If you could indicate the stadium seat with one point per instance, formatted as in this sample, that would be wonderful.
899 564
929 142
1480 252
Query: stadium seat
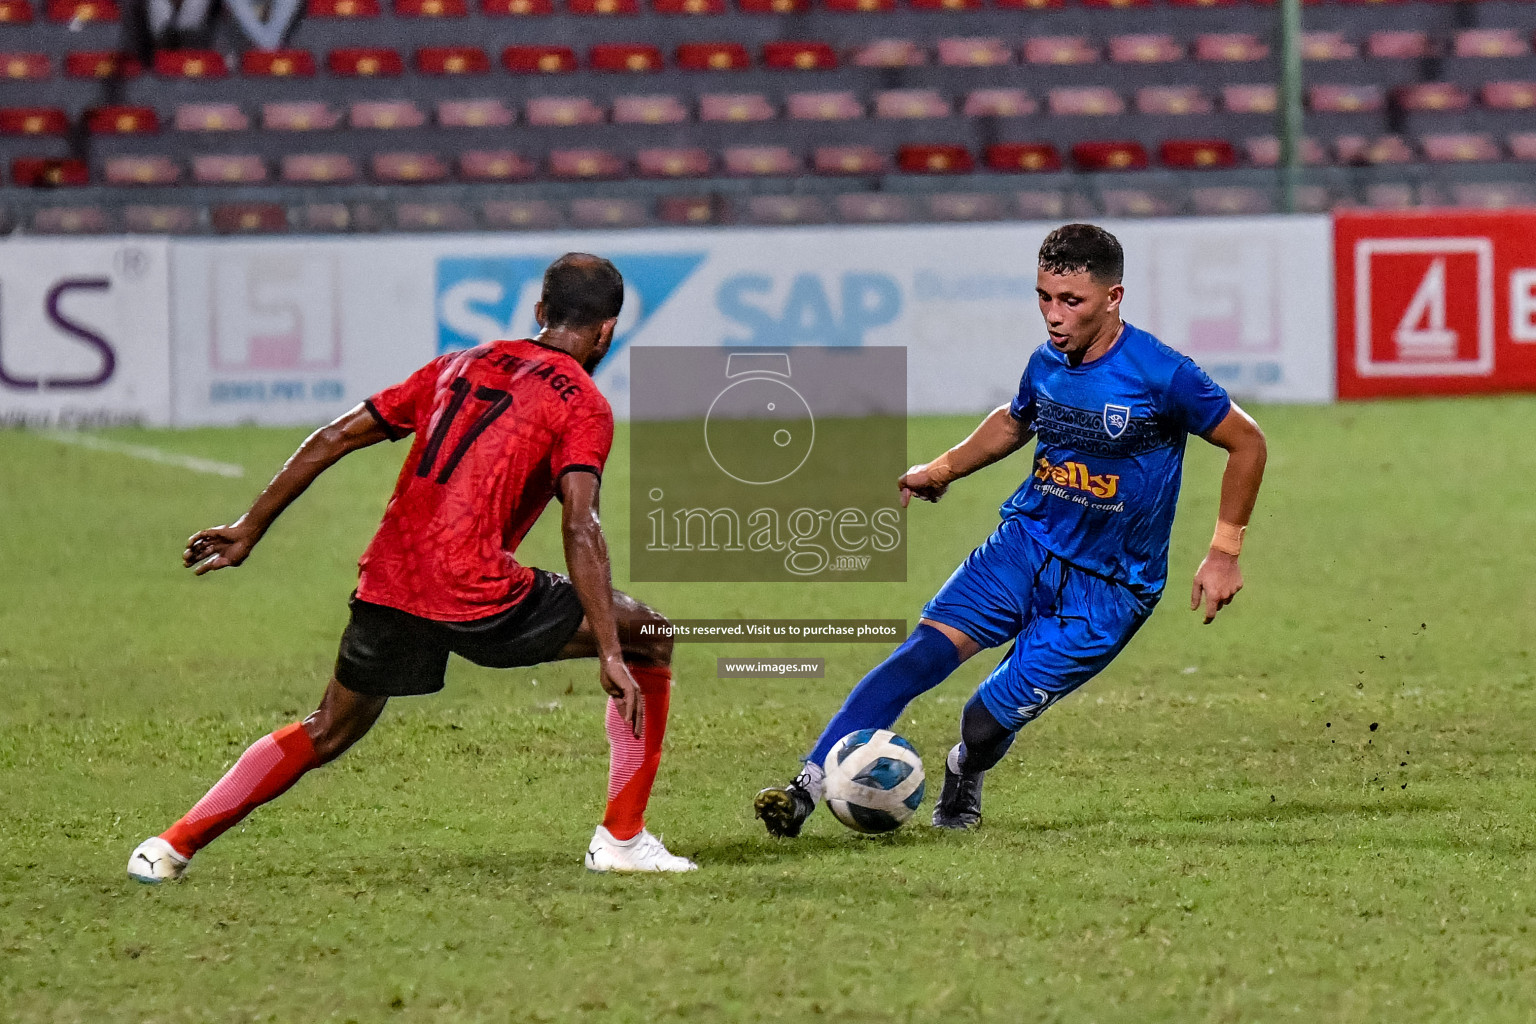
431 8
1087 100
1398 45
931 158
1460 147
318 168
228 169
433 216
1059 50
889 53
999 103
1230 47
140 170
386 114
48 172
71 220
1109 156
1040 204
539 60
1197 154
859 6
757 160
365 62
1144 49
122 120
452 60
407 168
98 65
1172 99
248 218
1358 150
625 58
190 64
911 104
1490 42
686 210
24 66
962 206
603 7
773 6
822 106
33 121
673 163
1509 95
149 220
277 64
1022 156
873 208
609 213
1203 3
974 51
299 116
82 11
1389 196
343 8
585 164
517 8
521 214
495 165
1027 5
1345 99
1264 151
1136 202
1250 99
480 113
662 109
1327 46
15 12
946 5
210 117
786 210
713 57
1522 145
688 6
750 106
1432 96
1493 195
1230 200
787 56
562 111
848 160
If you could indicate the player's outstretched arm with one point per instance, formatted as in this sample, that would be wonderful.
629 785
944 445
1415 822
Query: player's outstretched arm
586 556
998 436
1219 578
225 546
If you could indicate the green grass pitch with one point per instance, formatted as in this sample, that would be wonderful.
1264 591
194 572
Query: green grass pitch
1317 809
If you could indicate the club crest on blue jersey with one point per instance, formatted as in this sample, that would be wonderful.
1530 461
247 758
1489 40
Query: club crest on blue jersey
1116 419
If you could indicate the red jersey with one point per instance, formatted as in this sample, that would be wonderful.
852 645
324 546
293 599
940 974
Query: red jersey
496 426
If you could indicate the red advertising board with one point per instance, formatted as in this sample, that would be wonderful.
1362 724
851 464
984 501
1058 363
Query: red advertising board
1436 302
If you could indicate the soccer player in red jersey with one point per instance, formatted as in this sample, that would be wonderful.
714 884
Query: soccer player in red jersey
499 430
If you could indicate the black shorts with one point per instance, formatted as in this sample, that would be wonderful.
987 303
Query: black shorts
386 652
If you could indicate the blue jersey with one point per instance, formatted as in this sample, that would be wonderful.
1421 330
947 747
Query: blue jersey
1110 455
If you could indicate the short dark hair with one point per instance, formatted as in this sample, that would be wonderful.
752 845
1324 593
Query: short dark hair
581 290
1074 248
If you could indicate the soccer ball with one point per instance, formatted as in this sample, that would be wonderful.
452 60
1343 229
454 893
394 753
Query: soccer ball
874 780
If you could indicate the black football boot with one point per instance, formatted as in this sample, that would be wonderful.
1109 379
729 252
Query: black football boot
784 809
959 805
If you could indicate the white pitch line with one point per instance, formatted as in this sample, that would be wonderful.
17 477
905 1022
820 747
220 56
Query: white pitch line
148 454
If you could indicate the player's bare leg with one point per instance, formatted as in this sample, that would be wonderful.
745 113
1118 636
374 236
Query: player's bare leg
267 769
621 842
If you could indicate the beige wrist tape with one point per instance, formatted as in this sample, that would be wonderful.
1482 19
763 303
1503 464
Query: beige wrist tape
940 471
1229 538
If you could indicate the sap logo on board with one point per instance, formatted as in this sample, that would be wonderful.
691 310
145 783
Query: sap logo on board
813 310
483 298
1424 307
275 312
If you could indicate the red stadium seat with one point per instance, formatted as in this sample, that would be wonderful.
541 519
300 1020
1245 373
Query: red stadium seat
539 60
190 64
1327 46
688 6
248 218
673 163
343 8
947 5
83 10
158 219
859 6
365 62
608 213
1345 99
277 64
999 103
848 160
141 170
434 216
1230 47
1085 100
1027 5
15 12
663 109
495 165
407 168
713 57
1144 49
752 106
822 106
99 64
786 210
1023 156
888 53
911 104
521 214
1461 147
386 114
318 168
1230 201
760 160
228 169
625 58
585 164
1250 99
873 208
299 116
1425 96
210 117
790 56
1358 150
1118 4
121 120
48 172
482 113
1059 50
686 210
603 7
963 206
33 121
1197 154
1491 42
562 111
923 158
1509 95
1398 45
1109 156
975 51
70 220
1522 145
452 60
431 8
24 66
773 6
517 8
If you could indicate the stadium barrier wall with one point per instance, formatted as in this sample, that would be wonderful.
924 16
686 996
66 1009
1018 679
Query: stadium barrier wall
1436 302
291 331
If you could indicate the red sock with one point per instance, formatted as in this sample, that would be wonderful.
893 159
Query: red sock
632 762
264 772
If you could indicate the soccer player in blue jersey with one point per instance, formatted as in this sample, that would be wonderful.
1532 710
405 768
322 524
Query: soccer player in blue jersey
1081 555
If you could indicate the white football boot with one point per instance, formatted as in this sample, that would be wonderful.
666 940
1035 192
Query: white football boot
643 852
155 861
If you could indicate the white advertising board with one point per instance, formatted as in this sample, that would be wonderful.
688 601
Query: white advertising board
84 333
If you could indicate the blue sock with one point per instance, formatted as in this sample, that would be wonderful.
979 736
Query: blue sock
924 661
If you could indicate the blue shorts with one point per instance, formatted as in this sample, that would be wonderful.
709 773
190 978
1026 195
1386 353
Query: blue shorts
1066 624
